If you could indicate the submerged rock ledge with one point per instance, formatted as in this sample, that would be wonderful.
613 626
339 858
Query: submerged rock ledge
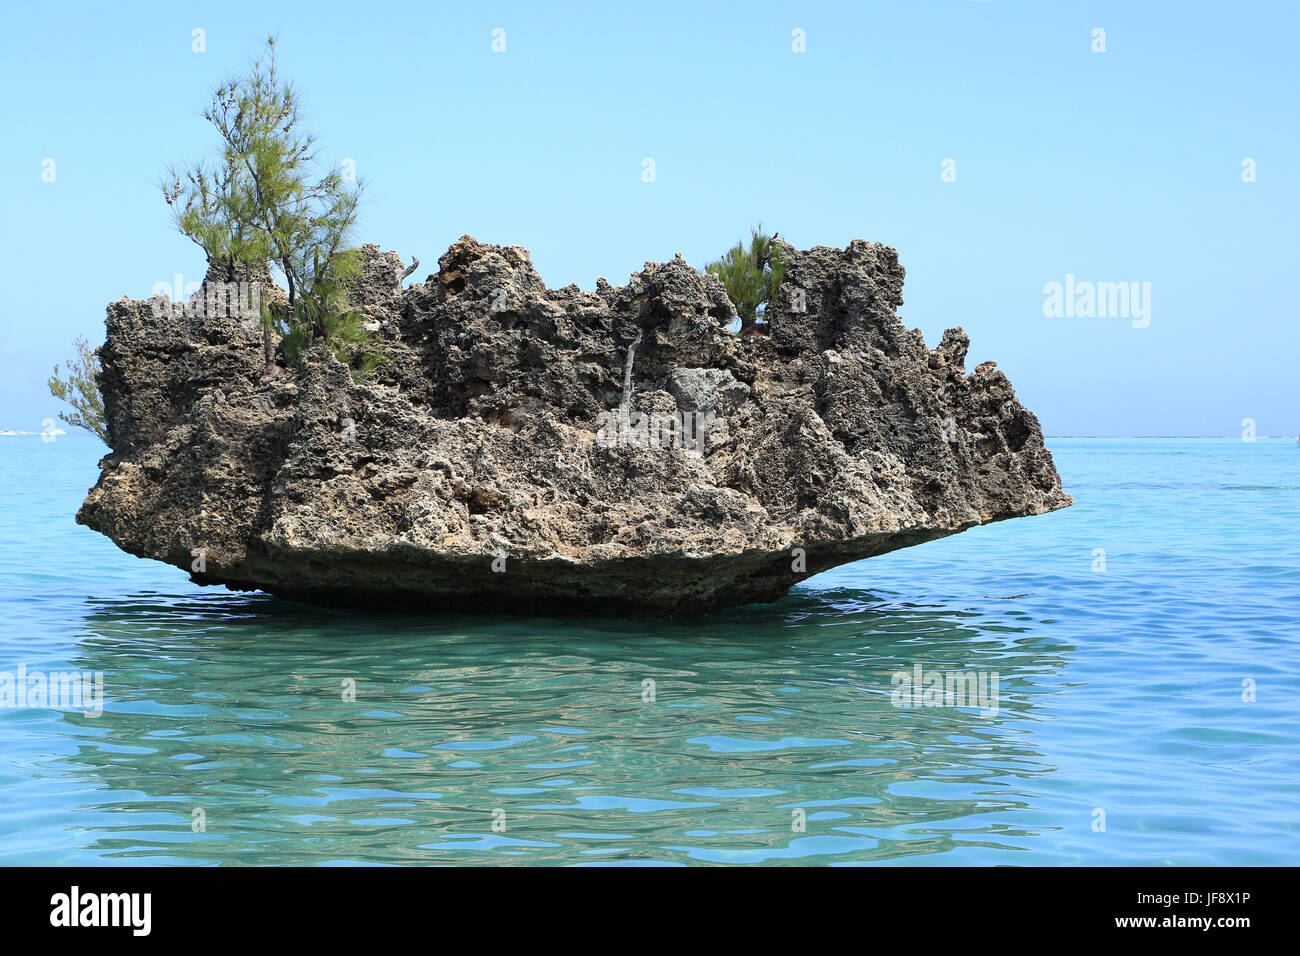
482 467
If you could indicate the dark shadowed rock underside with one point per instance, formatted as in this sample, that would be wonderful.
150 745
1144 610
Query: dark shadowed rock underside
481 467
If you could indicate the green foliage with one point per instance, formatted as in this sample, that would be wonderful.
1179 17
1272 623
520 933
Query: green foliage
751 275
80 390
265 198
326 314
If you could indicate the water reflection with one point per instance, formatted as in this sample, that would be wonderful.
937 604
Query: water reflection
477 739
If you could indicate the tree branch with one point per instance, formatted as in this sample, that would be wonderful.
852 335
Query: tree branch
402 278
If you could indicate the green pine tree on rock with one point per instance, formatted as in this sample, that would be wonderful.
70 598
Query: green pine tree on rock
265 199
752 276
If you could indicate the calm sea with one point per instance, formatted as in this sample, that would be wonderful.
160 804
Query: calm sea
1137 653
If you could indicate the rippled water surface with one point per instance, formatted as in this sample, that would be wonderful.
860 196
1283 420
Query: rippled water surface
770 734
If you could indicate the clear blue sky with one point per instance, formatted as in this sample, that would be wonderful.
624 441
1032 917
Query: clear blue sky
1117 166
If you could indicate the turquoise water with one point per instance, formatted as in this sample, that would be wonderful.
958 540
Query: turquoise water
769 734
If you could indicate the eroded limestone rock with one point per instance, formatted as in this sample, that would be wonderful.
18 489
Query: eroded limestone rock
466 473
